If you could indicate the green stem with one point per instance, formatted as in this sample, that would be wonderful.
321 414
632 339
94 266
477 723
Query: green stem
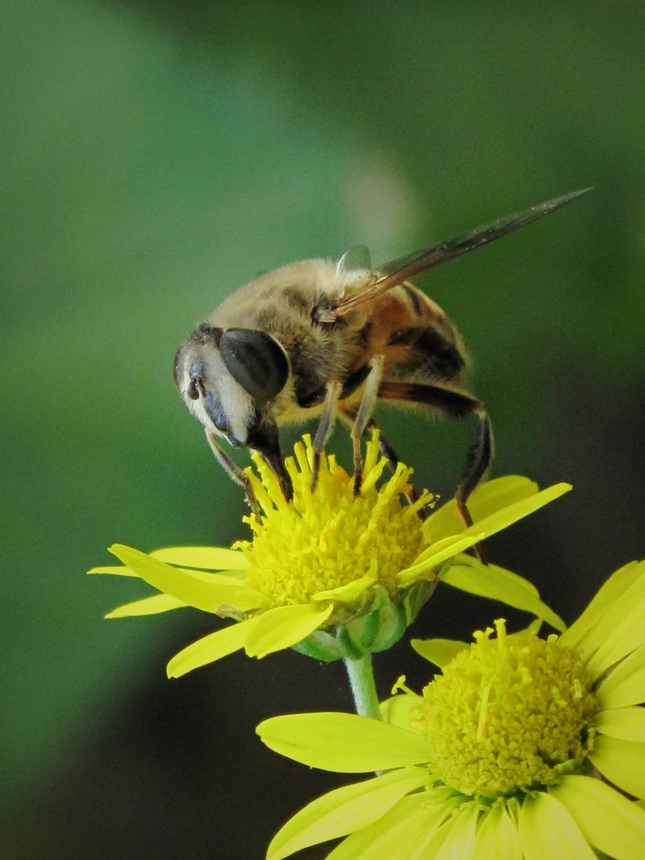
361 680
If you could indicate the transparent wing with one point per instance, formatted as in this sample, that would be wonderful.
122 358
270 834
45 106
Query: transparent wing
402 269
356 257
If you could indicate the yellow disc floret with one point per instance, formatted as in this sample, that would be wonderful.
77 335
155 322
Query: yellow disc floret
510 714
327 538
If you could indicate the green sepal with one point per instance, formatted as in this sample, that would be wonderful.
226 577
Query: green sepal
351 648
320 645
371 632
376 631
394 623
416 597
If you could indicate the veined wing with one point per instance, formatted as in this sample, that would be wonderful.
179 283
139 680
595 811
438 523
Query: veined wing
402 269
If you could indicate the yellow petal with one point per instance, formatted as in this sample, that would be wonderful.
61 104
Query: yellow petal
345 743
548 831
147 606
346 593
515 578
621 762
344 810
499 520
621 629
398 835
242 599
433 842
210 648
606 818
616 585
625 723
284 626
496 583
497 837
195 588
232 578
488 498
459 842
206 557
397 709
439 652
114 569
435 556
625 684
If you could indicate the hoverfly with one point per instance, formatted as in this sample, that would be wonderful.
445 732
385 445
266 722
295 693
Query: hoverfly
330 339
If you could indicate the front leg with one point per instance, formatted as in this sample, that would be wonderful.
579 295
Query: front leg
232 469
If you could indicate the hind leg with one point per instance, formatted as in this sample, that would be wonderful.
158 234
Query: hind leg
454 404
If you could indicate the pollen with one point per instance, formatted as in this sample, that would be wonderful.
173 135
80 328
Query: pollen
327 538
509 715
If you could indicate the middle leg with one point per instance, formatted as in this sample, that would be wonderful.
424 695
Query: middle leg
348 415
364 416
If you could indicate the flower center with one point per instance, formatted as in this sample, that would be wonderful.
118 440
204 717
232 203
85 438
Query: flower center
510 714
327 538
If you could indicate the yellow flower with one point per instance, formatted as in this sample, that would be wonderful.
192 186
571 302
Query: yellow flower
333 575
523 749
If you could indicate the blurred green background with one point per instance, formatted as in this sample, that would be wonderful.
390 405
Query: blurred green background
154 156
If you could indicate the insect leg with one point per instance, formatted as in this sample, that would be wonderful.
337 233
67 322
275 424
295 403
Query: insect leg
454 404
478 461
363 416
231 467
332 393
386 449
265 441
349 416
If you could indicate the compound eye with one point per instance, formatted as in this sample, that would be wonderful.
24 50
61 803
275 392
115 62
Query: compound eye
255 360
